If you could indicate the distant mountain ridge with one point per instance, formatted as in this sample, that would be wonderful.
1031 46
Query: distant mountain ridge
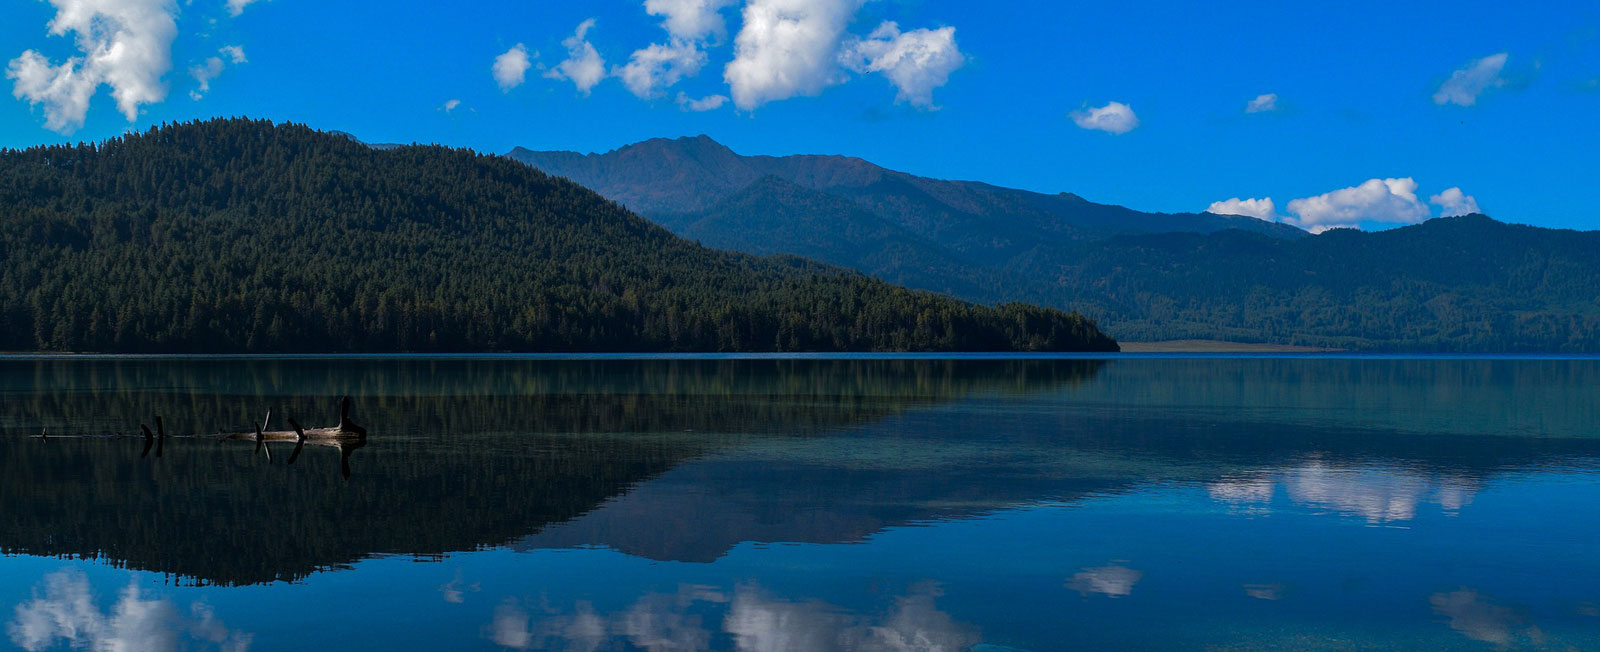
1457 284
663 177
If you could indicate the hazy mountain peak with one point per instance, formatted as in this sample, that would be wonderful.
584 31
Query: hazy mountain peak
672 176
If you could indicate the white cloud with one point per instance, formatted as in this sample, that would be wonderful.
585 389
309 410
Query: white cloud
511 67
1453 202
126 44
584 66
236 7
1392 201
691 20
1466 84
1113 118
691 24
916 62
1112 581
450 105
708 103
659 66
203 73
63 612
1262 209
787 48
1263 104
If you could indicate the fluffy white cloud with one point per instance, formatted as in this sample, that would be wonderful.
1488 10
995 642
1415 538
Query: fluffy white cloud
787 48
1258 208
584 66
450 105
1466 84
1377 200
1113 118
690 20
1263 104
236 7
708 103
659 66
1453 202
511 67
63 612
126 44
203 73
1392 201
916 62
691 24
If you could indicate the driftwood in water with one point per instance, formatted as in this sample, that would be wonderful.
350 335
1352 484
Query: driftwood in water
346 436
347 432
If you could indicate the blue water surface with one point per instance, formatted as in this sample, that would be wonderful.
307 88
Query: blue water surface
984 503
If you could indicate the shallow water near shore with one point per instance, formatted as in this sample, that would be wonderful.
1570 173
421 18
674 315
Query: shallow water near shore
810 503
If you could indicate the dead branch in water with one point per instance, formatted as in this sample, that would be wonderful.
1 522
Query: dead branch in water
346 436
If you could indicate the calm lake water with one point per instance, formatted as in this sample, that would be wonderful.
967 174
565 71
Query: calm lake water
814 504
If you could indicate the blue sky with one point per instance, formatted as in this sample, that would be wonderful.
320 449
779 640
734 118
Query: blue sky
988 91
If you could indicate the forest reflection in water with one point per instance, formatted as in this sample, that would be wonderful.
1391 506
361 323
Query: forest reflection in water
1124 485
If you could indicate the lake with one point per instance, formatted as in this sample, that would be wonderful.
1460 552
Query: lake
813 503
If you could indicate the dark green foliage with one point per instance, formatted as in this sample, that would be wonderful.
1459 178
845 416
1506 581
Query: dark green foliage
244 236
1454 284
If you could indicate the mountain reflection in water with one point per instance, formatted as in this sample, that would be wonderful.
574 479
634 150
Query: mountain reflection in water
697 504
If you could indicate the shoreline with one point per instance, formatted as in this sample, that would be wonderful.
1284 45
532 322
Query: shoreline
1136 354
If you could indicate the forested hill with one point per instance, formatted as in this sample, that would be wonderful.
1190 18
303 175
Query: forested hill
245 236
1453 284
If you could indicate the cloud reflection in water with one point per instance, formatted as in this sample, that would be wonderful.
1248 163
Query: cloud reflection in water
754 620
1379 495
1480 619
63 610
1113 581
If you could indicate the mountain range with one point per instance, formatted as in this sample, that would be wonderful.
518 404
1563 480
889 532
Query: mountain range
242 236
1465 283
